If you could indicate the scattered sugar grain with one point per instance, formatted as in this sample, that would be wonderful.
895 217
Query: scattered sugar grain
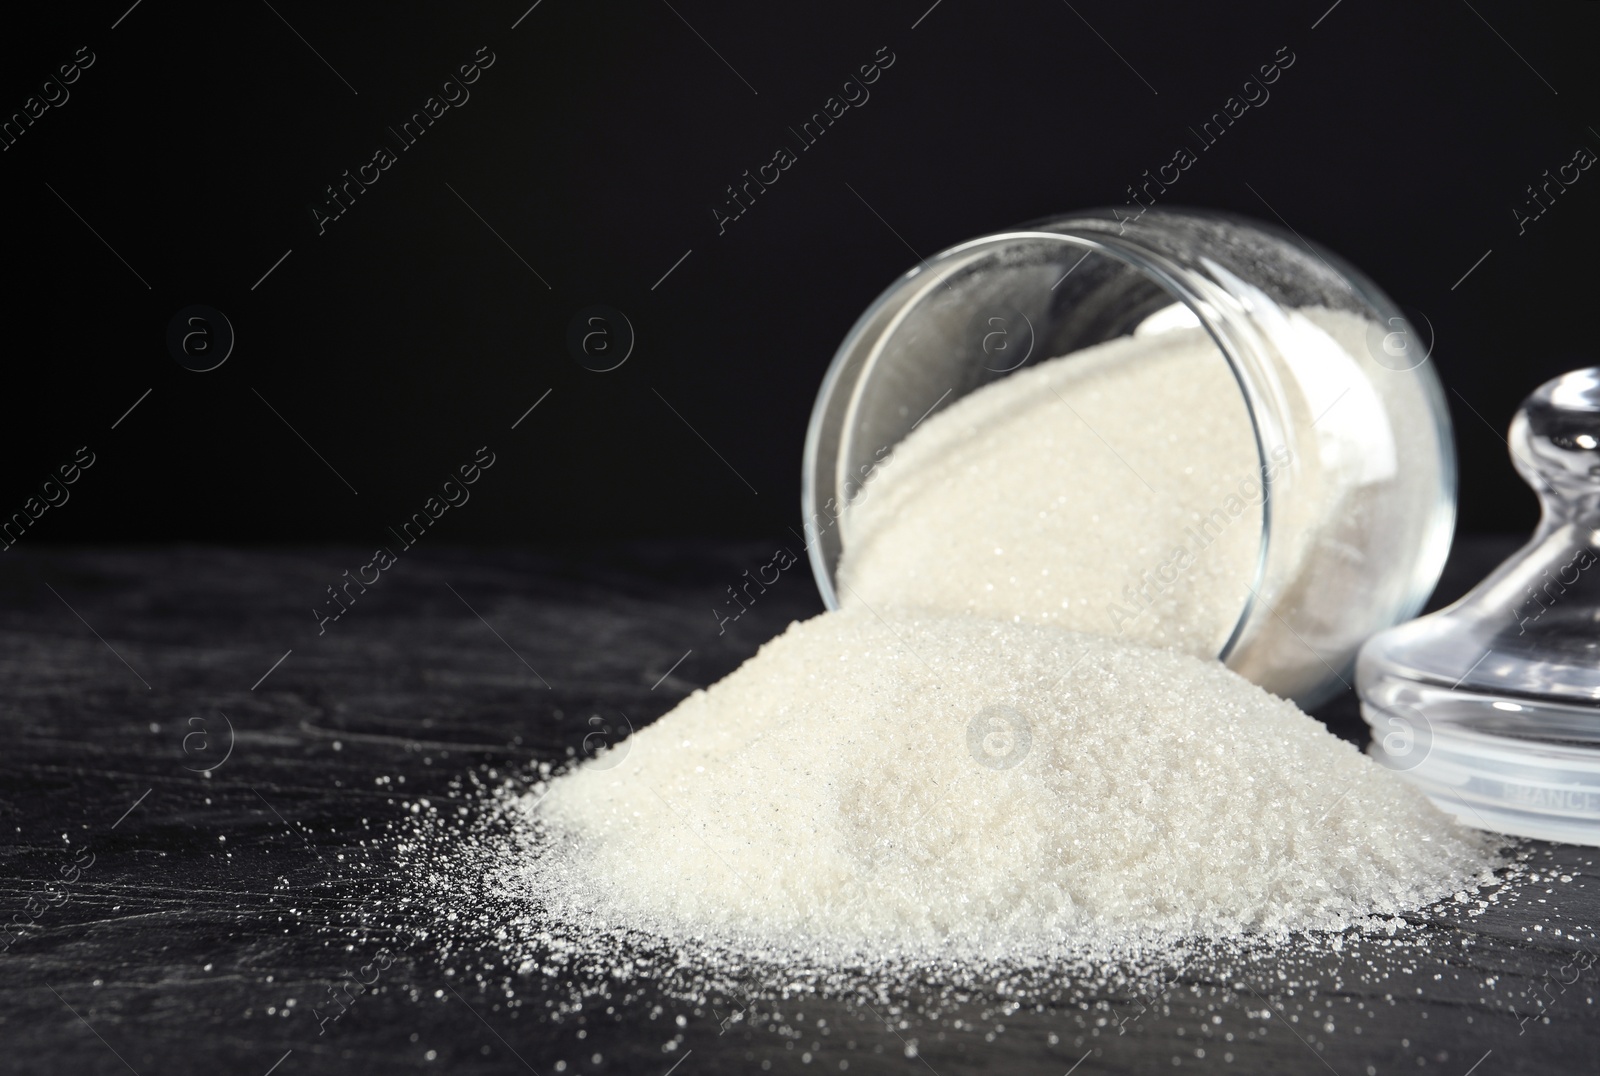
466 894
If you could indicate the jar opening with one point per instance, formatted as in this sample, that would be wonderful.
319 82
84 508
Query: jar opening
1346 488
1025 305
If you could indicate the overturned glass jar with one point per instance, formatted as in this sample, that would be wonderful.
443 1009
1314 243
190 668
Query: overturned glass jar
1337 522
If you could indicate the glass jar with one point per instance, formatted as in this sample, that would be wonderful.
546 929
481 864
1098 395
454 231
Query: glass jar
1351 438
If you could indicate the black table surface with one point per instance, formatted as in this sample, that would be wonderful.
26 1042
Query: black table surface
200 786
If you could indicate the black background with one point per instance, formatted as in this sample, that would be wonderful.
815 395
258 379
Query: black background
409 334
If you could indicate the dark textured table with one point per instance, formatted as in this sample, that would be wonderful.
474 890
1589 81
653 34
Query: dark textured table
203 785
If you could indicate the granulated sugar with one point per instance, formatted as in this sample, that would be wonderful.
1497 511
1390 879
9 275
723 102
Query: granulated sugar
1049 495
942 771
952 786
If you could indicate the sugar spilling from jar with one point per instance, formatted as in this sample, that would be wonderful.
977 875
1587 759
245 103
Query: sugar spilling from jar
1012 738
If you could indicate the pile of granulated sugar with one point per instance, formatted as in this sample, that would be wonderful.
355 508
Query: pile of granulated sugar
953 787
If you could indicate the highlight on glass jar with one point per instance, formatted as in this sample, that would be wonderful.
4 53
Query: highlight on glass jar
1186 430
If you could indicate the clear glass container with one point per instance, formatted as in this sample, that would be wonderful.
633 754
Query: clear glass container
1492 704
1351 438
